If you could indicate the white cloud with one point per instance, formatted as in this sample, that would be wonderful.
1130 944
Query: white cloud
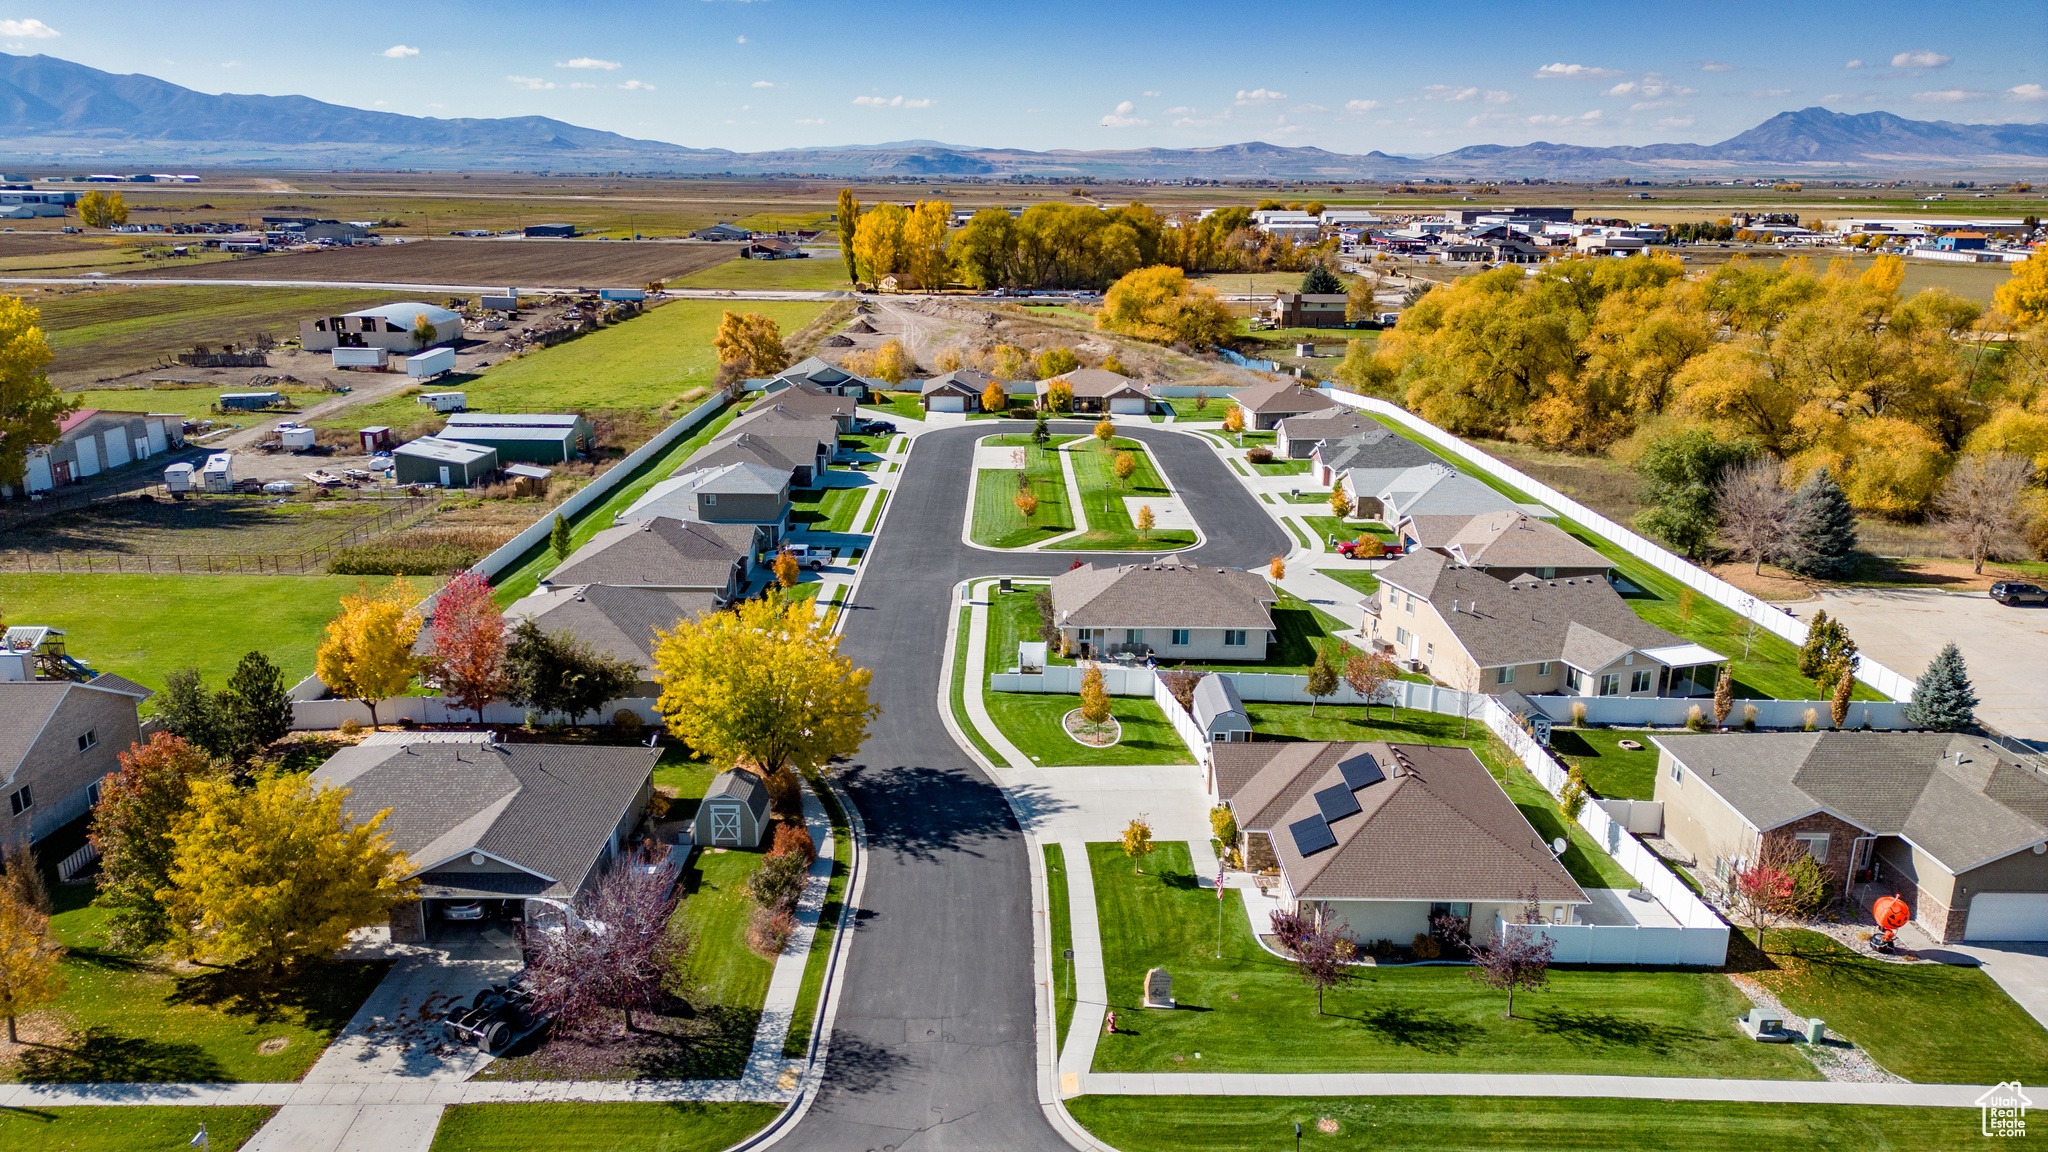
533 83
1592 117
1573 72
637 86
1653 86
1308 108
1179 110
764 83
1651 105
1497 97
810 121
1951 96
1259 96
1448 93
399 52
1151 93
1853 97
231 63
891 102
2026 92
1675 122
1361 105
739 39
1115 120
28 30
1769 93
1716 66
1920 59
1853 64
580 84
590 62
1124 108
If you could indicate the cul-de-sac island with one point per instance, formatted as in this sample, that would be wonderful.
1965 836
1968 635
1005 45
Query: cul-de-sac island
517 636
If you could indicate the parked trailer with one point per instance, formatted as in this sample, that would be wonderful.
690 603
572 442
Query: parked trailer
445 401
249 401
296 437
362 358
422 365
178 478
218 475
622 294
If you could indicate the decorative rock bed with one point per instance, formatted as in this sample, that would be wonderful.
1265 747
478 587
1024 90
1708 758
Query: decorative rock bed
1091 735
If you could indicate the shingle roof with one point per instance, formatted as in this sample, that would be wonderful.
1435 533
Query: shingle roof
1327 423
745 787
965 381
1440 490
122 684
784 454
547 808
1503 539
1169 594
1580 620
1375 448
619 622
1215 696
1954 797
803 400
1095 382
1281 396
660 552
782 420
1436 827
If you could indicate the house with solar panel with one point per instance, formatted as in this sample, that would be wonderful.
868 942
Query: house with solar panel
1383 838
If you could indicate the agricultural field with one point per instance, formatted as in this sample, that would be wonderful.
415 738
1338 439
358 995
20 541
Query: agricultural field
821 271
554 263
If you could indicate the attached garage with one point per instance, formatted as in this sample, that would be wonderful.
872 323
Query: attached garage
1129 405
2007 916
943 403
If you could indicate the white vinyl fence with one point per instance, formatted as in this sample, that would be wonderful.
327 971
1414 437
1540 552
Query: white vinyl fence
1670 711
1184 725
1775 620
320 715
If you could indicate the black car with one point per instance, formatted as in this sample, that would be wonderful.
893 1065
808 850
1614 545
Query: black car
877 428
2014 592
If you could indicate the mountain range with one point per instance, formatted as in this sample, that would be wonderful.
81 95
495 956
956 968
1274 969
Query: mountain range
54 110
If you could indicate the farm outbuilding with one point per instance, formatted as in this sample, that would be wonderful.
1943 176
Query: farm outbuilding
392 327
92 440
449 463
734 813
249 401
533 438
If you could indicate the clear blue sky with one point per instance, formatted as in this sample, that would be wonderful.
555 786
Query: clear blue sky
1352 77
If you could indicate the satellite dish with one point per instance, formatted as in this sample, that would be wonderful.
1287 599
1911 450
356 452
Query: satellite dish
1558 846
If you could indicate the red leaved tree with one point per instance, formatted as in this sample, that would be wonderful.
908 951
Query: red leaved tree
1322 959
1763 888
618 948
468 656
1514 959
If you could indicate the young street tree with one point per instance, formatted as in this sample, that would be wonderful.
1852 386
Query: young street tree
1513 960
1322 679
1981 506
580 972
1763 888
468 656
278 872
367 653
1094 698
849 219
1125 466
1105 430
1233 420
1367 674
1340 501
765 685
1823 543
1137 841
787 570
1146 520
30 408
995 398
1322 958
29 975
557 673
1041 432
1943 699
131 826
1755 510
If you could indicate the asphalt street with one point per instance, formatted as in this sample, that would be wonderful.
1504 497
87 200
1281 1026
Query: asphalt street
932 1041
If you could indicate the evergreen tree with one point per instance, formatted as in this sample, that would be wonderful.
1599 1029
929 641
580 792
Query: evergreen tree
1943 699
1824 532
256 708
1321 281
1827 651
1040 433
559 539
189 711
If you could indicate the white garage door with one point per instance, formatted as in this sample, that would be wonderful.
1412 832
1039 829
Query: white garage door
948 404
2007 916
1132 406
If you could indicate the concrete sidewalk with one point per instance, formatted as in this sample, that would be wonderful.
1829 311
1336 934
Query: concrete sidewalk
1496 1084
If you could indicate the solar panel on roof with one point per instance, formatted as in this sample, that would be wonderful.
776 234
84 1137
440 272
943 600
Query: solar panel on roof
1336 802
1361 770
1311 835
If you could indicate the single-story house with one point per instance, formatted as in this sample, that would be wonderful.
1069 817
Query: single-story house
739 493
528 437
723 231
1367 462
670 555
449 463
959 390
1308 309
1295 437
1178 611
1384 838
799 459
815 374
1435 490
390 326
1505 545
1218 711
782 422
812 404
92 440
1265 405
501 824
58 740
1100 390
772 248
1948 822
1571 635
618 622
734 812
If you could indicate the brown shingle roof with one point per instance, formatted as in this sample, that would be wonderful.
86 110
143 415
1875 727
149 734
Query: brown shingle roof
1281 396
1094 382
1504 539
619 622
1168 594
661 552
1580 620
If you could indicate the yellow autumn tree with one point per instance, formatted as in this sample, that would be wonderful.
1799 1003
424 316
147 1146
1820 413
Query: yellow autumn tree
1104 430
1340 500
367 655
30 408
994 398
279 871
924 243
2024 295
29 975
1059 396
751 343
1125 466
1145 520
1159 304
787 571
765 685
878 241
1233 420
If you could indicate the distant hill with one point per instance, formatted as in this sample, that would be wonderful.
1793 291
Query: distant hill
51 107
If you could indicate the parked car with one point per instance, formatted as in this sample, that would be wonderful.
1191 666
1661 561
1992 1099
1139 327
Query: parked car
877 428
811 556
474 910
2010 592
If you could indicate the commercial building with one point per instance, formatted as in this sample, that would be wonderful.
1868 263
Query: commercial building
534 438
448 463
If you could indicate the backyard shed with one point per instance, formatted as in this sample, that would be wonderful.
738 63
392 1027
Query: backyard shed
449 463
376 438
1219 711
734 813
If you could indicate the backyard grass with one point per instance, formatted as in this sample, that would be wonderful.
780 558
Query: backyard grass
1250 1012
800 1021
1061 929
126 1128
1511 1124
1031 720
677 1127
124 1019
715 911
824 509
997 521
1357 579
1585 860
1611 771
1933 1023
817 272
1013 618
147 627
1280 467
1185 408
1101 501
686 777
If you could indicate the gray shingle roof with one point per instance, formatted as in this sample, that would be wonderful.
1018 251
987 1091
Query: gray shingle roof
1169 594
803 400
745 787
1374 448
546 808
619 622
1580 620
660 552
1281 396
1097 382
783 454
963 381
1516 539
1954 797
1216 696
1440 490
782 421
740 477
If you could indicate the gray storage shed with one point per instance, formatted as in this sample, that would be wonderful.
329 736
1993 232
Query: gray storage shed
449 463
1219 711
734 813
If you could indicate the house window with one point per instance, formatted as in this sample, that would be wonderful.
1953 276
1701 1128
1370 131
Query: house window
1550 573
1543 668
1610 684
1429 651
1504 676
1677 772
1233 637
1134 635
1180 637
87 741
1573 680
21 801
92 794
1401 636
711 498
1816 845
1461 910
1641 681
1411 603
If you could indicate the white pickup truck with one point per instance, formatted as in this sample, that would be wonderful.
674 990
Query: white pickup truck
812 556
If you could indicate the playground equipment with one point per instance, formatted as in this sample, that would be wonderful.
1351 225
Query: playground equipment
1892 914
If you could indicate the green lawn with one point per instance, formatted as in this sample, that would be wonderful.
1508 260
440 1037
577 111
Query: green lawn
715 911
641 365
1585 860
1102 501
817 272
1062 931
1032 722
1610 770
136 1020
1185 409
1933 1023
1326 526
1311 497
679 1127
126 1128
1280 467
1511 1124
903 405
1357 579
1013 617
800 1021
687 775
1300 533
955 697
147 627
825 509
875 513
1250 1012
997 521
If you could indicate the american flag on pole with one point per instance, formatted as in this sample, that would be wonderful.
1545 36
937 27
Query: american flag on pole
1219 882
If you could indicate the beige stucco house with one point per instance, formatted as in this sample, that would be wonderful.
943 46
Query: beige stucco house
1171 610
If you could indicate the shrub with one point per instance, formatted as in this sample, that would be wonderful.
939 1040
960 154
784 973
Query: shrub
1426 947
1385 949
1695 719
1578 714
1811 889
779 881
1223 822
1260 455
1808 719
770 931
785 796
628 722
794 839
1749 717
658 806
1452 931
1291 928
351 727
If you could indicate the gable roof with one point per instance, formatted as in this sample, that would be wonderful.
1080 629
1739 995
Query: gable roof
1281 396
1216 695
547 809
121 684
1503 539
1580 620
780 421
1098 383
1168 594
804 400
744 787
960 381
1327 423
617 621
1439 490
780 454
1955 797
1436 826
1375 448
659 552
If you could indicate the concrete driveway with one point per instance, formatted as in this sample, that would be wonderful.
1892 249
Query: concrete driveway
396 1034
1904 628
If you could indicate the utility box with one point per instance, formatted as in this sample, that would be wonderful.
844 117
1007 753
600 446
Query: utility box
445 401
218 475
422 365
178 478
375 439
297 437
378 358
622 294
